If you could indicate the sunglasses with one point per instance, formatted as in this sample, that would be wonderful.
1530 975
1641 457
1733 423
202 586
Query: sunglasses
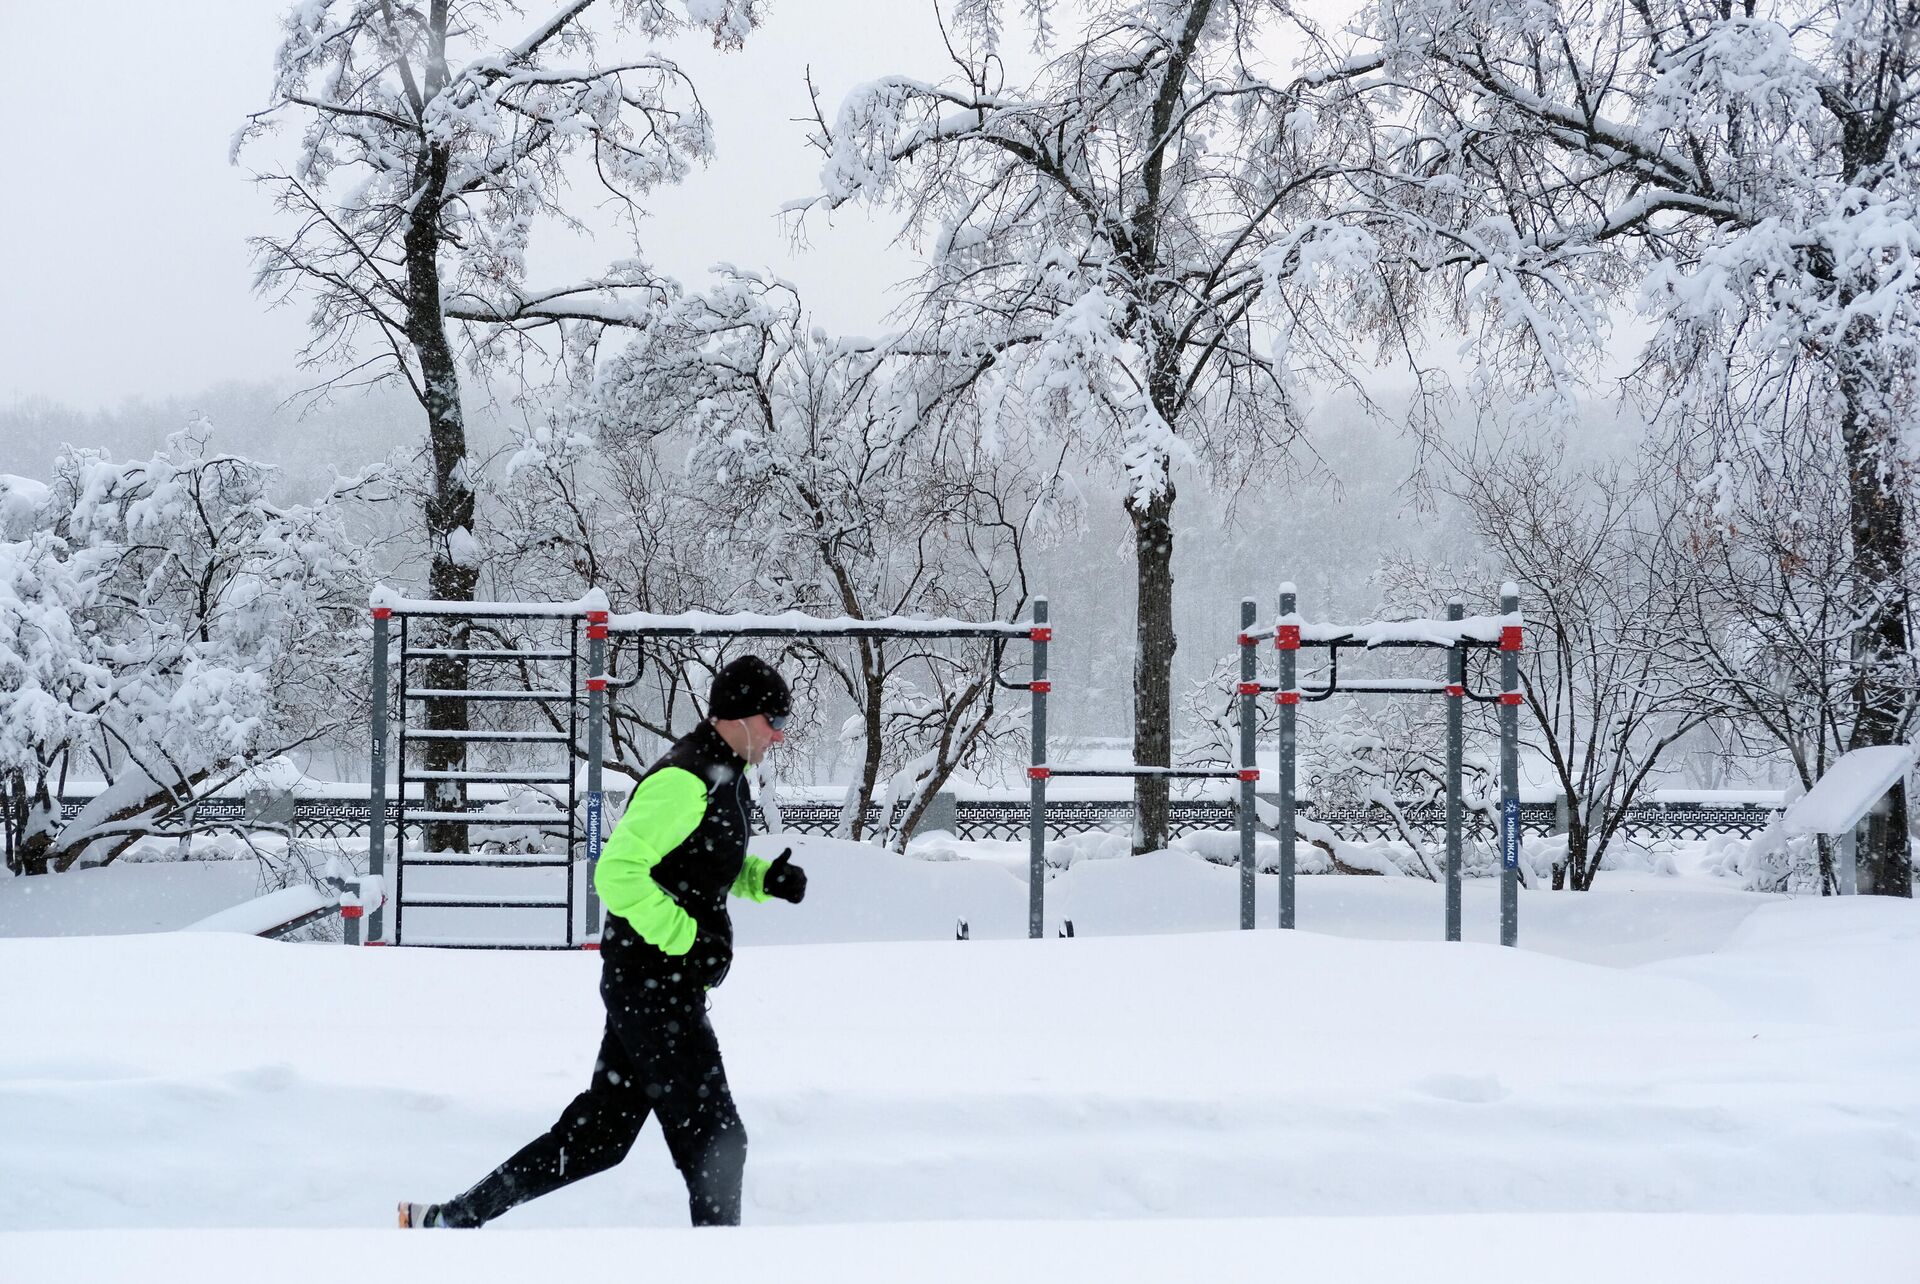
778 721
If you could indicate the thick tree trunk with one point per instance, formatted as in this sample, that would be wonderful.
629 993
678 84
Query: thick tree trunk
870 762
1153 665
1880 651
450 502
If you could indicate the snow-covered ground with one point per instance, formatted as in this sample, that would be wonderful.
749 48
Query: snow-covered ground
1671 1079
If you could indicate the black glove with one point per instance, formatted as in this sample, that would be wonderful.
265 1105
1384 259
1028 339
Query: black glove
785 879
707 960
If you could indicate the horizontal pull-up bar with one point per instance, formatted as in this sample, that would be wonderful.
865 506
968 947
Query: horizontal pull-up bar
824 629
593 608
1493 632
1457 634
1180 773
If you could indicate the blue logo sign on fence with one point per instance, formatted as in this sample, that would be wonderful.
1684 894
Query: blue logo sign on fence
593 825
1510 832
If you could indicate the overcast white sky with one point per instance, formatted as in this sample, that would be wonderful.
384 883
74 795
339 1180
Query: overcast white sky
123 256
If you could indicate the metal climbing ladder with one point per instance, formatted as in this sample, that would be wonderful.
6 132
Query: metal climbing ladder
431 906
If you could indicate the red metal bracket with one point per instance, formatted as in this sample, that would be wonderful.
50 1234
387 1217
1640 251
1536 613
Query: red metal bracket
1043 633
1039 773
1248 688
1510 637
1456 692
1509 697
1287 637
1042 685
352 911
596 684
382 612
596 632
596 617
589 945
1250 773
1246 640
1287 697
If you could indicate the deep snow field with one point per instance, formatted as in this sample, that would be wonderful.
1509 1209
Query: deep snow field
1671 1079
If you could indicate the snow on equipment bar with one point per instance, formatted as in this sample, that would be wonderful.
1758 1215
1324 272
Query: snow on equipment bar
593 607
1474 630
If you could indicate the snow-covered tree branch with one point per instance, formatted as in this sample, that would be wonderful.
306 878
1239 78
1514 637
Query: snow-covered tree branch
435 138
1743 175
163 626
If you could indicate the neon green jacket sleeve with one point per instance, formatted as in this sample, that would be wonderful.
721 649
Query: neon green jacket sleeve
752 882
666 807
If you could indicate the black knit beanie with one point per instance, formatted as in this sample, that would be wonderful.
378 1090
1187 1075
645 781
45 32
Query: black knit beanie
747 686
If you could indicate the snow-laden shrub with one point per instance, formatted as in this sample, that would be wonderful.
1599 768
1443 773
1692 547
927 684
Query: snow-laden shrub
1770 861
1091 844
166 626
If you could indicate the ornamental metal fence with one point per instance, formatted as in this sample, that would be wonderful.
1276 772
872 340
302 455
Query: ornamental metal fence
319 819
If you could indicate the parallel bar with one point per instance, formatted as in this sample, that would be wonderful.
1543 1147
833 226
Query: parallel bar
573 738
484 777
493 737
1184 773
463 653
1373 688
1037 780
491 945
1456 679
448 693
481 819
1248 694
1509 781
1015 631
1353 643
719 626
377 775
1289 713
400 803
482 902
484 862
596 741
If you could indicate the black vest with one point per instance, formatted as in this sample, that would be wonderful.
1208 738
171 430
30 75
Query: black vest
699 873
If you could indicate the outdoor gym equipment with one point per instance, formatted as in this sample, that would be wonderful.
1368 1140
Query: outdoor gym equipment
561 695
1457 635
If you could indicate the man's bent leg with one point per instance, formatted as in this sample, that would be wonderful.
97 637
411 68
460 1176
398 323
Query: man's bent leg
593 1134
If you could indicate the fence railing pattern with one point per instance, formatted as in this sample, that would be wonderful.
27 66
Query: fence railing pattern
324 818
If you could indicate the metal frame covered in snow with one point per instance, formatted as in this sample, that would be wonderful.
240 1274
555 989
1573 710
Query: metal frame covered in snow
600 623
1247 773
1457 634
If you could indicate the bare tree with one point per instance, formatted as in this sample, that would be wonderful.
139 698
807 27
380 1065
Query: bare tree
839 477
1607 676
1742 172
432 145
1771 619
1129 249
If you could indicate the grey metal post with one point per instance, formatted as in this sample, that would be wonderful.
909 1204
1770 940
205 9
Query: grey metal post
1456 700
1037 777
1286 638
377 782
596 739
1510 642
351 916
1249 772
